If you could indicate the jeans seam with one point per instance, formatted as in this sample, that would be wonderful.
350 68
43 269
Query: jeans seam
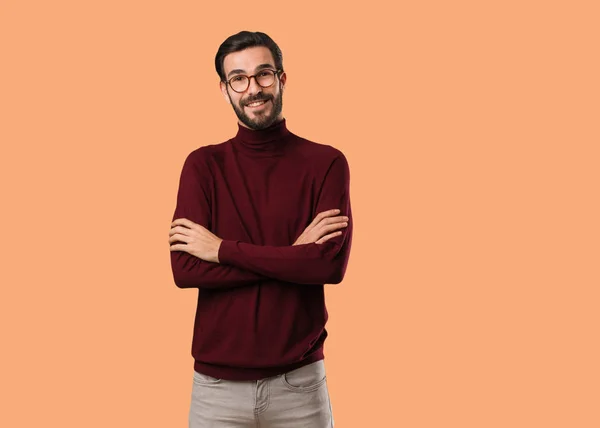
255 403
310 388
330 411
258 411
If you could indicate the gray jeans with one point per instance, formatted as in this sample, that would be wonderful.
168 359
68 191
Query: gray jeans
298 398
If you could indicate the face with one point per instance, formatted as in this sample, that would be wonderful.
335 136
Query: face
248 61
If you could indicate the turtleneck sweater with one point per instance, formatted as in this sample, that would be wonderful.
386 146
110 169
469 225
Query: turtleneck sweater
261 309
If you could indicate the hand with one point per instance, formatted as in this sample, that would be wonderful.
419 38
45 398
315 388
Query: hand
197 240
322 224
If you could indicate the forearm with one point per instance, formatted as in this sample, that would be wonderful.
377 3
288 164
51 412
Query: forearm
303 264
191 272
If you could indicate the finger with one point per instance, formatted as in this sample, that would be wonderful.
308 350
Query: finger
179 237
178 247
327 237
324 214
180 229
328 213
338 219
330 227
184 222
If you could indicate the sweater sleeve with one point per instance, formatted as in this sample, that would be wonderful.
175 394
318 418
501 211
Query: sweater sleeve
307 263
193 203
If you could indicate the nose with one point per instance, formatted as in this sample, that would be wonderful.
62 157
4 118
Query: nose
253 86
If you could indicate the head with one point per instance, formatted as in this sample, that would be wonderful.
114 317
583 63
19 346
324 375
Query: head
245 54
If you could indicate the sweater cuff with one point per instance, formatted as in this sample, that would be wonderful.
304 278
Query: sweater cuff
226 251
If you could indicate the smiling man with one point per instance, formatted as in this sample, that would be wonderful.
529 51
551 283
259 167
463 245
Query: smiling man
263 221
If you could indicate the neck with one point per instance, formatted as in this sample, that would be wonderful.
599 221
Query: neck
270 141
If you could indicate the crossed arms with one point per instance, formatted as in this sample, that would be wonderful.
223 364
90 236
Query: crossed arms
206 261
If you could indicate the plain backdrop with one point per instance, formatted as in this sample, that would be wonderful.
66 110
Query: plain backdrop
472 133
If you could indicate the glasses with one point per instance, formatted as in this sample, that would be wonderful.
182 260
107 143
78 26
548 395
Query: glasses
264 78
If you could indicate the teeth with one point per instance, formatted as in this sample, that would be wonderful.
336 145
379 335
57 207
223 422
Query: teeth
256 103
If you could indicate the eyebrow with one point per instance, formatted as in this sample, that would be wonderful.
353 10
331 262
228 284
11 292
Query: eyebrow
260 67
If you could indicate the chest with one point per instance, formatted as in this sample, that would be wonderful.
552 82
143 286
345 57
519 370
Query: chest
265 203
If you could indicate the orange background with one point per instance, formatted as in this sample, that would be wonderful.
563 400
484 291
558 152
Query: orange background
472 134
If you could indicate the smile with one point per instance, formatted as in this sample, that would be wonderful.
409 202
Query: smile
256 104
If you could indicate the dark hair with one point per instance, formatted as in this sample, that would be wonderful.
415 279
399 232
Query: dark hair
244 40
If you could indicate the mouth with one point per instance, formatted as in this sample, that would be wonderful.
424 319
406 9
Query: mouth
257 104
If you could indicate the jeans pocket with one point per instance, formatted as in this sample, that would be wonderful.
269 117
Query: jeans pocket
306 378
204 379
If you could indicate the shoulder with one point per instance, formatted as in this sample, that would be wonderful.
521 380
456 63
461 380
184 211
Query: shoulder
205 155
200 160
322 153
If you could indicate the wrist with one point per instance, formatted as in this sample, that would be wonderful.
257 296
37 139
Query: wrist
217 252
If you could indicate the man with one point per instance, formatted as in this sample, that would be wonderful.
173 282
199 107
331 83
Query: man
262 222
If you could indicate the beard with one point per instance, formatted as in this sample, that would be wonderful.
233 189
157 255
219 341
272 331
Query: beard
263 118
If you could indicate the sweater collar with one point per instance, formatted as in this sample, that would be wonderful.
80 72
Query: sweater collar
262 142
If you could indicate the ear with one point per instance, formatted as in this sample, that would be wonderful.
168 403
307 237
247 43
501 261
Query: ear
282 79
223 88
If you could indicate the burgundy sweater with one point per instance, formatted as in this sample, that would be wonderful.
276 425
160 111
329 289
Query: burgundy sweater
261 309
